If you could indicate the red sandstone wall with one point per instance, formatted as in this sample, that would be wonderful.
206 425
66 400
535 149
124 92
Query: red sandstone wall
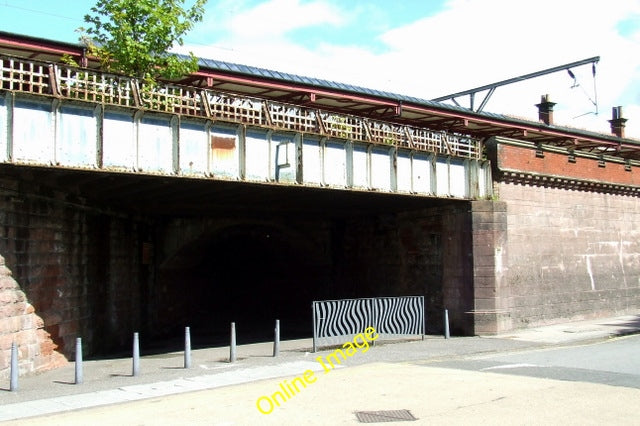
76 268
20 324
571 254
489 250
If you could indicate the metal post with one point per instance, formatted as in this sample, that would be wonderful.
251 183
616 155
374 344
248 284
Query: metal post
13 386
79 378
423 317
276 341
446 324
315 337
232 347
187 347
136 355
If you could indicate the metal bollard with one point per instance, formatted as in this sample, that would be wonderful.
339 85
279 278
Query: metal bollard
232 347
136 355
79 378
276 340
187 347
446 324
13 385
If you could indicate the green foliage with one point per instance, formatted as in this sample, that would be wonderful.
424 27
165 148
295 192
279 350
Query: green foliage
68 59
133 36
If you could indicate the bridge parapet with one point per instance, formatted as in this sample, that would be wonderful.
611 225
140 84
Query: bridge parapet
67 82
63 116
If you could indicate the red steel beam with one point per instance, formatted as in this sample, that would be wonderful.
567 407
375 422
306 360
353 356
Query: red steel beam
504 125
40 46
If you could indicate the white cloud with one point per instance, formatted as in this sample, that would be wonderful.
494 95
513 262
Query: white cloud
467 44
275 18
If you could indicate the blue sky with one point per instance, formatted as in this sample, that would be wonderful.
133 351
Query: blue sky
420 48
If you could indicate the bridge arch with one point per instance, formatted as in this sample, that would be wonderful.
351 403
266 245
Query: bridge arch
249 272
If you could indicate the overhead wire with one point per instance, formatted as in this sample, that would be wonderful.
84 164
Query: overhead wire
595 91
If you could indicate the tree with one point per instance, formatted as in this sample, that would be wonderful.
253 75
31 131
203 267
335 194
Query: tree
133 36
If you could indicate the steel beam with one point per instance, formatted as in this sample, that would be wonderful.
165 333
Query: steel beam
492 87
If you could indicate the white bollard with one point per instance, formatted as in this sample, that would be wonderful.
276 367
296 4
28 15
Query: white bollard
79 378
276 340
187 347
232 346
13 385
446 324
136 355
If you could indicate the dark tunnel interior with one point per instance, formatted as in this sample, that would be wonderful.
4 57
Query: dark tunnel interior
248 274
243 253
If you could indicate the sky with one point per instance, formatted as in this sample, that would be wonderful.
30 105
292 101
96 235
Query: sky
425 49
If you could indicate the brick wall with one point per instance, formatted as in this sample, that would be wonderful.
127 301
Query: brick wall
562 164
75 266
397 255
425 252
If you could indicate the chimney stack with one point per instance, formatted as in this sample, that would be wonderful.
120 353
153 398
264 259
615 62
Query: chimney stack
545 110
617 122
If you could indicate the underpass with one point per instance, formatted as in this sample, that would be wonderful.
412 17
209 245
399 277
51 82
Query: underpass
129 209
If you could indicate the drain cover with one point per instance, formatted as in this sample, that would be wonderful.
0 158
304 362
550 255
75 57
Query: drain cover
385 416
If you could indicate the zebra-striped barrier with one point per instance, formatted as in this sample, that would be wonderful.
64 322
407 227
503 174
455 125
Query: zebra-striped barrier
392 317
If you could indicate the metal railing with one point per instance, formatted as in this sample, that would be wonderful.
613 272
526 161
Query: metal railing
67 82
335 321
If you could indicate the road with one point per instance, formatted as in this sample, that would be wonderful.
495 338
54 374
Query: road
596 383
612 362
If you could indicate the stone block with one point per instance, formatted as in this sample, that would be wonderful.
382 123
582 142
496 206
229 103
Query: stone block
7 283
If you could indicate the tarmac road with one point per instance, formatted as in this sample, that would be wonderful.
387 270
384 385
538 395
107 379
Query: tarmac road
400 376
614 362
432 395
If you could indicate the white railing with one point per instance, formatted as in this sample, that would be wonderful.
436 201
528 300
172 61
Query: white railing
335 321
66 82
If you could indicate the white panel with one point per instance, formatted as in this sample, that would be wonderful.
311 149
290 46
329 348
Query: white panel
4 135
458 176
482 180
118 140
335 164
442 177
77 137
155 144
311 161
404 172
257 155
421 174
360 167
283 152
33 132
381 169
193 148
225 152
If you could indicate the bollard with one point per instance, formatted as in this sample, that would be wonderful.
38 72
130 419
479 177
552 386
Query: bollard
79 378
446 324
276 340
13 384
136 355
187 347
232 347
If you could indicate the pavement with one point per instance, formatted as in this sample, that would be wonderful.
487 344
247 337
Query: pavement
390 376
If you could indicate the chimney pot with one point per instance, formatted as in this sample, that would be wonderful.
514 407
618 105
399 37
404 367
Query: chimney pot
618 122
545 109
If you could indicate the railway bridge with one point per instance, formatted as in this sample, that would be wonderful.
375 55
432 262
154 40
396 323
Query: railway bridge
242 194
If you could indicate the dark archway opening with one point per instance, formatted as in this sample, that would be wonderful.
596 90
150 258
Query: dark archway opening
250 274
